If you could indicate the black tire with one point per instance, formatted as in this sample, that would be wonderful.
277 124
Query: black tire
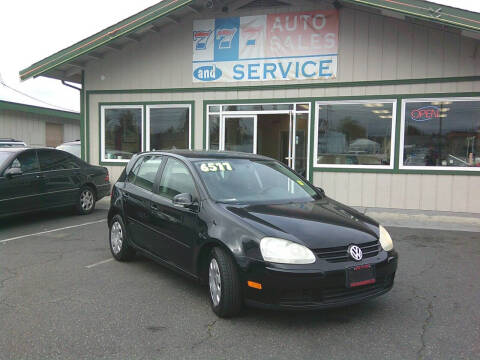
122 251
86 200
230 299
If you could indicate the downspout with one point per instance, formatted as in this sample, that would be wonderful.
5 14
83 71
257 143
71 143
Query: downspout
82 114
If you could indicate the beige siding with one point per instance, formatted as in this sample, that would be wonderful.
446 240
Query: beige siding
371 47
420 192
30 127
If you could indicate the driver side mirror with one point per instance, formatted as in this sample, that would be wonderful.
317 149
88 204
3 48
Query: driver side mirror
184 200
321 191
13 172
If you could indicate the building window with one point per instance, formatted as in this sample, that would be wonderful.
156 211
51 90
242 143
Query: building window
168 127
121 132
355 134
441 133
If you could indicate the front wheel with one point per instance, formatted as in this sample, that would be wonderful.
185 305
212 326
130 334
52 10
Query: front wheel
119 247
224 284
86 201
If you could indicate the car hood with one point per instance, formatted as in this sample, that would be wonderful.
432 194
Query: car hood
317 224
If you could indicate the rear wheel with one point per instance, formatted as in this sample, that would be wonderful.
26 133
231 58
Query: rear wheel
224 284
86 201
119 247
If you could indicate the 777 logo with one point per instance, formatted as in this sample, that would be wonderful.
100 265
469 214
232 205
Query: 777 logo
225 37
201 39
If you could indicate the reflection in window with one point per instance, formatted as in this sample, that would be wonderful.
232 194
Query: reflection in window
214 132
239 134
442 133
123 133
176 179
169 128
354 133
145 177
259 107
27 162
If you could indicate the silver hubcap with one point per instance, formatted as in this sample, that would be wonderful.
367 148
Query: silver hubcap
86 200
215 282
116 237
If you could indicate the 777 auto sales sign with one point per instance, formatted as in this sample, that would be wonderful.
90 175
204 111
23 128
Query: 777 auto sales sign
288 46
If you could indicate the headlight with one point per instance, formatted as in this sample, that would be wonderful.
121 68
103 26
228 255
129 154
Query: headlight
285 252
385 239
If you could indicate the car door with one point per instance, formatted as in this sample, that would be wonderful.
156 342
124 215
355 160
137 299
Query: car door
176 227
62 178
21 193
137 194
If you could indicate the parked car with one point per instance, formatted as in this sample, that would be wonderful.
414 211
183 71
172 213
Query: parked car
9 143
38 179
72 147
251 228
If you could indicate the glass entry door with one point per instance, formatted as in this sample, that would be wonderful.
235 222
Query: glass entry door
239 133
278 133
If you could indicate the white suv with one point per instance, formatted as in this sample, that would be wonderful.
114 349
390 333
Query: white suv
8 143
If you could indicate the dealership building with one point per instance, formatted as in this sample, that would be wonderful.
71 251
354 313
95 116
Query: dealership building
376 101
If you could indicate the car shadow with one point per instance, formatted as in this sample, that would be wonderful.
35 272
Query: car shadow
42 217
302 319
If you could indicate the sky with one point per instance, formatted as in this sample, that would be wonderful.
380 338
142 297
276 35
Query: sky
32 30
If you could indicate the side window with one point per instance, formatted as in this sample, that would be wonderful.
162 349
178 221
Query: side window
27 162
55 160
72 162
133 172
147 172
176 179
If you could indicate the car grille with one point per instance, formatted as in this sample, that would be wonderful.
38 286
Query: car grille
329 296
339 253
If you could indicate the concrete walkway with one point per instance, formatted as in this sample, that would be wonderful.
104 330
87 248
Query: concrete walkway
421 219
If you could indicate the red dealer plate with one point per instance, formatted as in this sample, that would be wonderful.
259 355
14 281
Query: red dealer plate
360 275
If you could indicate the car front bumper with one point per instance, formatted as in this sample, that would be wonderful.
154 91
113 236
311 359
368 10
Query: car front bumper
320 286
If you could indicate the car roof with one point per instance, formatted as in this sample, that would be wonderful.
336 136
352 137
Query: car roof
10 140
204 154
13 149
74 142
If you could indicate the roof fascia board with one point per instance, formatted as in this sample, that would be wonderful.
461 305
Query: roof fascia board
426 10
103 37
7 105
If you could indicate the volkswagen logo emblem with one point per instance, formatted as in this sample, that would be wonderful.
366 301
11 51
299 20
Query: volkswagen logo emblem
355 252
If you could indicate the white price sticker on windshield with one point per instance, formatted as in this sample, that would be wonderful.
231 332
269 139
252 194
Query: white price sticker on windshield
212 167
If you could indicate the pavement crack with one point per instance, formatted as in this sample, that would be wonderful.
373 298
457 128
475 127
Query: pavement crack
210 328
426 323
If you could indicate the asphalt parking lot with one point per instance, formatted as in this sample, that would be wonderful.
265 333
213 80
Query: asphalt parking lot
62 297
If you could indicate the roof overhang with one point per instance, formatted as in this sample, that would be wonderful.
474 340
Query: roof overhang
68 64
426 10
8 105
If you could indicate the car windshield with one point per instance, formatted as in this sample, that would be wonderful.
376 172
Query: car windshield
3 156
245 181
74 149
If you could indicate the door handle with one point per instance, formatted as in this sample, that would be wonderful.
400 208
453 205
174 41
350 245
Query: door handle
154 207
126 196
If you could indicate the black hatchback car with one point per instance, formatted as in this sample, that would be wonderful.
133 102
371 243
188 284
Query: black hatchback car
39 179
252 229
